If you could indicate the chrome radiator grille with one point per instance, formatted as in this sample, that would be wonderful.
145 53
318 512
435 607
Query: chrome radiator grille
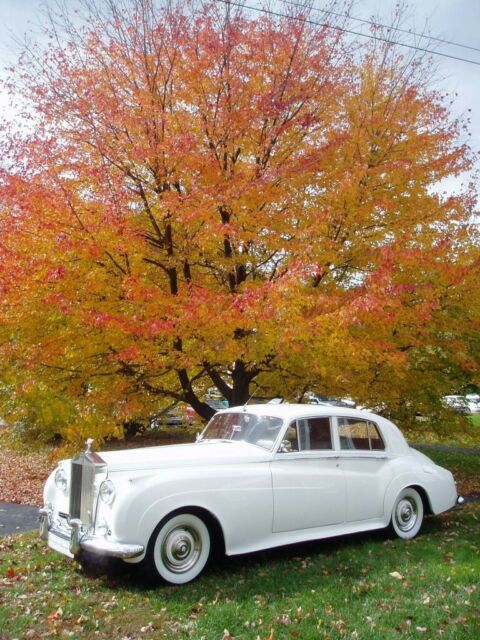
76 490
82 491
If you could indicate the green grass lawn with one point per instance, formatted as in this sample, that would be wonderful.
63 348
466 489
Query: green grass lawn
363 586
475 419
456 461
464 466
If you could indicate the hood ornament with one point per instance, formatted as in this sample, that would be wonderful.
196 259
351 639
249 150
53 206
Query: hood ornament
89 443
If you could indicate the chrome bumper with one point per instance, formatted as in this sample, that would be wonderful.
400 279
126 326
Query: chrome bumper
459 502
75 540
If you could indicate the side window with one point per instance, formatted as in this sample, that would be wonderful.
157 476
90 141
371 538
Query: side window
311 434
376 442
317 433
359 435
353 434
290 441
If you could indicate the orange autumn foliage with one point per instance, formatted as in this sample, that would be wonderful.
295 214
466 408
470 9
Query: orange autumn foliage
214 199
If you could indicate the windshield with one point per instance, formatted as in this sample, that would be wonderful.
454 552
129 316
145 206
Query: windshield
261 431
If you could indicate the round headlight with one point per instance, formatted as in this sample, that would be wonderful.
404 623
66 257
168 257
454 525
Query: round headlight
107 491
61 480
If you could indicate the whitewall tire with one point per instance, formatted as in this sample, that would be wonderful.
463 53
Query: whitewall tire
407 514
179 548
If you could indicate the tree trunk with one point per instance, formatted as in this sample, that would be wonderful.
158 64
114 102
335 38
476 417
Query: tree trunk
241 379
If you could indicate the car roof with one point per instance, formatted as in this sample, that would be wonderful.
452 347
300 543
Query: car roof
290 411
394 438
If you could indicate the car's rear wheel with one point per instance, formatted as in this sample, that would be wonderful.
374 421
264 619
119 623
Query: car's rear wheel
407 514
179 548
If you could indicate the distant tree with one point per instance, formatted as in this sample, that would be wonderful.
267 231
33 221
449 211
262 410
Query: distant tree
215 199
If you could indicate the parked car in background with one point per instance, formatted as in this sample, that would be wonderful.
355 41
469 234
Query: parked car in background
177 416
217 404
473 401
458 403
258 476
320 398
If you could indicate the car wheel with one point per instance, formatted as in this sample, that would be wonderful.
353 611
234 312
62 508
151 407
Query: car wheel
407 514
179 548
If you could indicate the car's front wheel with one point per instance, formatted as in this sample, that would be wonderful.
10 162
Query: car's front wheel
179 548
407 514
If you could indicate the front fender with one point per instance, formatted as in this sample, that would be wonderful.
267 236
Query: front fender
239 498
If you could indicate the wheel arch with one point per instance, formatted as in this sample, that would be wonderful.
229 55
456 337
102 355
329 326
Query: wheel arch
211 521
427 507
398 485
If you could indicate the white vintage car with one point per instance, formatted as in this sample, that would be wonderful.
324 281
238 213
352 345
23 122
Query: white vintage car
257 477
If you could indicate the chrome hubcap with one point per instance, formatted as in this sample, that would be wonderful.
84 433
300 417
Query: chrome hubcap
406 514
181 549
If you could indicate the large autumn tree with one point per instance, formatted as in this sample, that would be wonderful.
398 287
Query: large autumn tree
203 197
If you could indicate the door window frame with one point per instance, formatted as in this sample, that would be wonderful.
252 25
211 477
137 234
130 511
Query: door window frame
359 453
308 453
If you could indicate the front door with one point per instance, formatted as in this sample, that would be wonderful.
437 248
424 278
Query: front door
308 482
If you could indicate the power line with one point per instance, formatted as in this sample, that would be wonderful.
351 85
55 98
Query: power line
383 26
349 31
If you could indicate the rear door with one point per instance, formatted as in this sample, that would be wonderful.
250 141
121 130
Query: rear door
366 468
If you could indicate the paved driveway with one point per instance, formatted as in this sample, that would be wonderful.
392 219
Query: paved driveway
15 518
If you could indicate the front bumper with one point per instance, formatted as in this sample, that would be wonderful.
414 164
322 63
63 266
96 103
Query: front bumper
71 540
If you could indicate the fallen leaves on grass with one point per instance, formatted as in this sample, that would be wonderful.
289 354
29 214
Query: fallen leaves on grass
396 575
467 483
22 476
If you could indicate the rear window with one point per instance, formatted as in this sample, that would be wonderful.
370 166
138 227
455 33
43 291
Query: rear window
359 435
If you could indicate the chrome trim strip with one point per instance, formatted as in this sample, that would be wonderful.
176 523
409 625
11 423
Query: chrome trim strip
363 456
323 454
312 454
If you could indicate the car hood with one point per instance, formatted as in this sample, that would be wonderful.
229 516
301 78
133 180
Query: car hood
199 453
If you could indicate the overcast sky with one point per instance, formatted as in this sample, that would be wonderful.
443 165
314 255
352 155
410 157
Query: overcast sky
454 20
